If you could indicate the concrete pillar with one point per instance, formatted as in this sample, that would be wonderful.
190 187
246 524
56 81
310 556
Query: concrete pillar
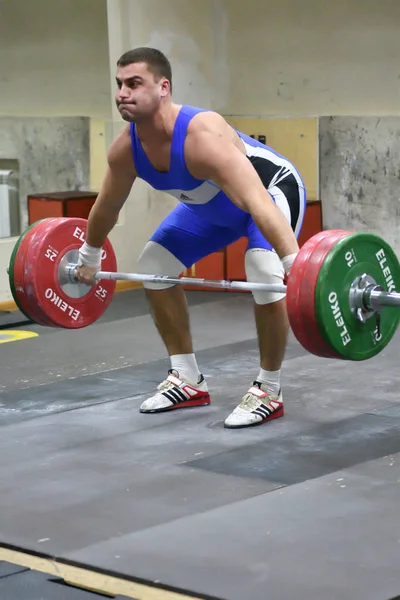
187 31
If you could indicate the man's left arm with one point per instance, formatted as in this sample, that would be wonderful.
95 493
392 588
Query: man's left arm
213 157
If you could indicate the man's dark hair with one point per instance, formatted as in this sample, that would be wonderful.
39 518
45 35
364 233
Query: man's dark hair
156 61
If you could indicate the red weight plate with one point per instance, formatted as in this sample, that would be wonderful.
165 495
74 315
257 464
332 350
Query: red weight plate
19 269
29 271
307 292
68 305
293 296
58 301
294 299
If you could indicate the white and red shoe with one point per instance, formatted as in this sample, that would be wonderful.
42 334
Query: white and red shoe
257 406
174 392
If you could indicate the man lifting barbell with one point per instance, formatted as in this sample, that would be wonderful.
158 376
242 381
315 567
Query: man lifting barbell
339 284
229 185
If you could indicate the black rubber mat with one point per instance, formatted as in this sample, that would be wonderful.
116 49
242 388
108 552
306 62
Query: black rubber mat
19 405
13 319
18 583
311 454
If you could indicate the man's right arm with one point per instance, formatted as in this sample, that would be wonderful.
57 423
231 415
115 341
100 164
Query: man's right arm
115 189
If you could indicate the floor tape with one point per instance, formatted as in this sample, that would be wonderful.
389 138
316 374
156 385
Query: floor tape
91 580
11 335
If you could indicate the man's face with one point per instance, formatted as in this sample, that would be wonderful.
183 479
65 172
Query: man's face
139 93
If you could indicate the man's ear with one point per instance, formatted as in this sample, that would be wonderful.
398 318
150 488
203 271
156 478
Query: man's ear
165 87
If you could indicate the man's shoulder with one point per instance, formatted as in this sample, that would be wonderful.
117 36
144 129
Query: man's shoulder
206 121
120 151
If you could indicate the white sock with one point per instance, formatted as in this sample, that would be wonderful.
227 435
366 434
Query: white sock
186 365
271 380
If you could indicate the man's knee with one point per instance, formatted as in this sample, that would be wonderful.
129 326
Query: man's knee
264 266
157 260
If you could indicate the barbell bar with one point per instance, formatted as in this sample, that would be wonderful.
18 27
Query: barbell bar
339 293
370 298
375 299
193 281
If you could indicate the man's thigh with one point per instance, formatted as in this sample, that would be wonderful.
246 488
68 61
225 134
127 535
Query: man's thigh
190 237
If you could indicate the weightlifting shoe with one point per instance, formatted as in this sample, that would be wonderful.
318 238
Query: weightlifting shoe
257 406
175 392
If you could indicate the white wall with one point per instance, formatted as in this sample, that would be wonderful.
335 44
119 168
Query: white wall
313 58
259 57
54 58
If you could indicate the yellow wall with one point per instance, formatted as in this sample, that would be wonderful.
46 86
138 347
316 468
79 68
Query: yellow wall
98 152
295 138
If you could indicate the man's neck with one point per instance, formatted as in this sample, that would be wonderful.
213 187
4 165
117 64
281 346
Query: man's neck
160 125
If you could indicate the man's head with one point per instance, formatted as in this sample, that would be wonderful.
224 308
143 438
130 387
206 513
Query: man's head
144 81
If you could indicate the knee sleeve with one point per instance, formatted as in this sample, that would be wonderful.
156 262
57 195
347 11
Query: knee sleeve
157 260
264 266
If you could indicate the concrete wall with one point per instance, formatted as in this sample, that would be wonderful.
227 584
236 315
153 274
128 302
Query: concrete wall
52 154
360 174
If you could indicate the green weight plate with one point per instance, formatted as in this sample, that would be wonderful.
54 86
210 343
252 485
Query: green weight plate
352 256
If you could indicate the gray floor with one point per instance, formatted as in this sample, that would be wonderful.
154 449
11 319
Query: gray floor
304 507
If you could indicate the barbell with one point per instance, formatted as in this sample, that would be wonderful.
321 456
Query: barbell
340 293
